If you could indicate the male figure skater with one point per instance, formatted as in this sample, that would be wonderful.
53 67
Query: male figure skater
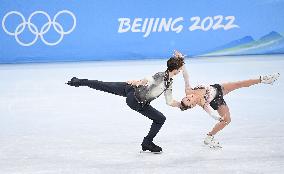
140 93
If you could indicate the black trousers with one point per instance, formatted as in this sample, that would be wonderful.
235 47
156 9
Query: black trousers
126 90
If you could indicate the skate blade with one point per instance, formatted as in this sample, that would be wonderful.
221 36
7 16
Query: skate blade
149 152
215 147
212 147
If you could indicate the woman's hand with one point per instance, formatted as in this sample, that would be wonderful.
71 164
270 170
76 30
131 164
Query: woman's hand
218 118
178 54
209 109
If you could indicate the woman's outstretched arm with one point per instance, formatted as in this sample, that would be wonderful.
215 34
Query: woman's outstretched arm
188 89
185 75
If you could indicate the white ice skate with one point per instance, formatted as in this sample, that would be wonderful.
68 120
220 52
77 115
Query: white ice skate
269 79
210 142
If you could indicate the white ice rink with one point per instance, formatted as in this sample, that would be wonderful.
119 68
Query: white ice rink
47 127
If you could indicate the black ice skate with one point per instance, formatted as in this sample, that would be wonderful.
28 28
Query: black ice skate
74 82
150 146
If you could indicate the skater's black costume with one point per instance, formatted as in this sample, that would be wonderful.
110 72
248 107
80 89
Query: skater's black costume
214 95
138 99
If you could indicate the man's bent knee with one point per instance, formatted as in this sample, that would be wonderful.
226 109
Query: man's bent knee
161 119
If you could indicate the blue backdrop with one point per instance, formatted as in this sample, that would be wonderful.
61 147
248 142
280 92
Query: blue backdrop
67 30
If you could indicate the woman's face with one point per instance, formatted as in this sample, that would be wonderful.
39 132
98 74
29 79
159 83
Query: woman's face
190 100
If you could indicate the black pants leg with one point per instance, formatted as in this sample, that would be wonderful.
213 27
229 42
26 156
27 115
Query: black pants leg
148 111
158 120
117 88
125 90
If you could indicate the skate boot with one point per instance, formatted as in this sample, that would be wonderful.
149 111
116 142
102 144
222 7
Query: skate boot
150 146
75 82
208 139
210 142
269 79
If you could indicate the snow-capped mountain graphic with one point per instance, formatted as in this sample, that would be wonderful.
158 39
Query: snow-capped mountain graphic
272 43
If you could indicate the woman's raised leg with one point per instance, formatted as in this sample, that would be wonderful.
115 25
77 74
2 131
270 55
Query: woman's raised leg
231 86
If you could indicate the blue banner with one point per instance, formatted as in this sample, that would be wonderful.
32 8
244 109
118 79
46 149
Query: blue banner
66 30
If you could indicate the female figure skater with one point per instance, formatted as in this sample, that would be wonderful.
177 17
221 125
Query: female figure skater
211 97
139 94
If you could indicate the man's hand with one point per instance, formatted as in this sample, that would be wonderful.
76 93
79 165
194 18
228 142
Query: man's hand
175 103
143 82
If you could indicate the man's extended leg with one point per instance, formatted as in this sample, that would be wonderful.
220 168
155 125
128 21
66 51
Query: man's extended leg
117 88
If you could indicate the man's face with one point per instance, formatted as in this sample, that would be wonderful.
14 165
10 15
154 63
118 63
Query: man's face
175 72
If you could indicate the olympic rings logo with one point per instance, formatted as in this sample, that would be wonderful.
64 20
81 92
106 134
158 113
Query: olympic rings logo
39 33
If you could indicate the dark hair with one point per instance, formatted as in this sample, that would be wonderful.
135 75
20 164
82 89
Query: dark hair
174 63
183 106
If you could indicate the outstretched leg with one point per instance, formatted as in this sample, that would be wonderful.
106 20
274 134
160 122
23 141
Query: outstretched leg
231 86
117 88
267 79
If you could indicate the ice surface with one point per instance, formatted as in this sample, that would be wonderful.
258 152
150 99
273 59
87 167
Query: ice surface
48 127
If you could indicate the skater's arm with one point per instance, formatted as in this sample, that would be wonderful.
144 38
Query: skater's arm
185 75
169 98
137 82
209 109
147 81
175 104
